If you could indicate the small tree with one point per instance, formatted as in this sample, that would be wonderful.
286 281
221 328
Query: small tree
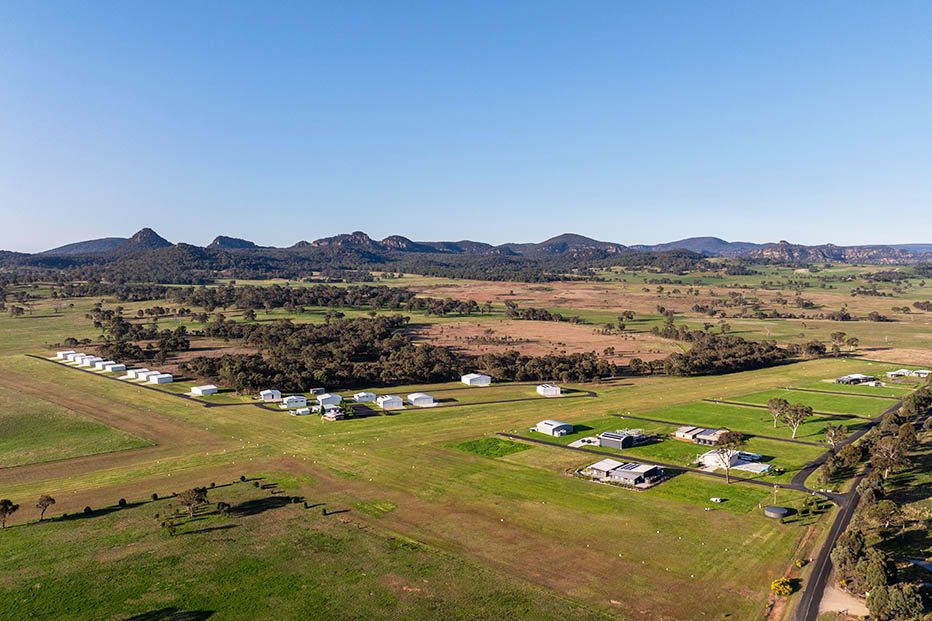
835 435
729 444
191 498
169 527
782 586
777 407
45 501
795 415
7 508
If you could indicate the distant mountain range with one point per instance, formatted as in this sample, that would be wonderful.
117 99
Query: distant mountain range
568 244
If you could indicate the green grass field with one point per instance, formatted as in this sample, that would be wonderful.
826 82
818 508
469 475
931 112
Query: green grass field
33 431
839 404
268 559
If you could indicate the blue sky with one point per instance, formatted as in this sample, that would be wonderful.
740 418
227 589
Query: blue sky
625 121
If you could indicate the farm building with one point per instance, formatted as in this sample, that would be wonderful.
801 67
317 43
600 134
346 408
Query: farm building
90 361
421 399
909 373
270 396
74 356
602 468
390 402
364 397
318 391
329 399
334 414
552 427
626 473
102 364
134 373
207 389
161 378
61 354
114 367
699 435
476 379
293 401
621 439
855 378
300 412
549 390
635 474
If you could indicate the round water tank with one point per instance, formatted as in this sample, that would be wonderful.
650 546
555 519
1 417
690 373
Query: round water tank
775 512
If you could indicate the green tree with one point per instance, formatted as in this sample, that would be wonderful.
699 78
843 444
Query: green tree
729 444
7 508
45 501
191 498
835 435
887 454
777 407
795 415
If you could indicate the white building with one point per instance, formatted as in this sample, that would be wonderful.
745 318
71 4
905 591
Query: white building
270 396
134 373
201 391
476 379
329 399
300 412
113 367
390 402
145 375
293 401
90 362
101 365
161 378
552 427
61 355
421 399
73 356
549 390
364 397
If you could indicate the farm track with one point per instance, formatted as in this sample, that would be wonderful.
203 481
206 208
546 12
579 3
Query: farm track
750 435
764 407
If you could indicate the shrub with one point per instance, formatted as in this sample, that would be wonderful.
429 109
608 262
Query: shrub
781 586
800 563
212 485
155 496
87 511
242 478
122 502
255 484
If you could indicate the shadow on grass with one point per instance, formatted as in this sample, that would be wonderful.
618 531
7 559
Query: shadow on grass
260 505
209 529
173 614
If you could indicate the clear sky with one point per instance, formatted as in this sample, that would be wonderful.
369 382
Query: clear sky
634 122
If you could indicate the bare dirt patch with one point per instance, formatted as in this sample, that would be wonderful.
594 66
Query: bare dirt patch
537 338
836 600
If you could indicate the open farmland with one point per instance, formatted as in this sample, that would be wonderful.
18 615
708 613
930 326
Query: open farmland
492 512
